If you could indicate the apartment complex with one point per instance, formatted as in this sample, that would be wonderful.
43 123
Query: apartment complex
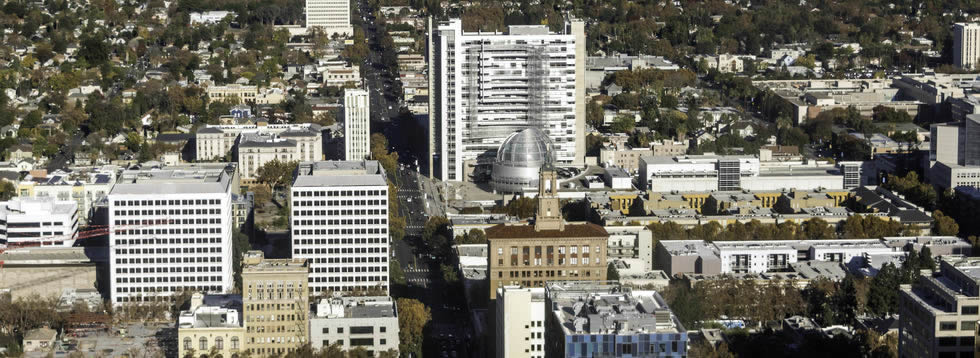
216 141
275 297
520 322
257 149
357 124
547 250
487 85
606 319
41 221
938 317
369 322
170 231
966 45
213 322
331 16
340 223
245 94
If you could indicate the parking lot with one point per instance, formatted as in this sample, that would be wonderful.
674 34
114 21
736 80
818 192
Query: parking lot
135 340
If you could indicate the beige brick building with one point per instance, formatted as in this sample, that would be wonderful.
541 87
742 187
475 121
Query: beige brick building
275 297
547 250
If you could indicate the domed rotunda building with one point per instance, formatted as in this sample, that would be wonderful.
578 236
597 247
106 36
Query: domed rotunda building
519 160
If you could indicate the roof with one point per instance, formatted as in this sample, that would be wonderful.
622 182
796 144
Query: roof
173 181
174 137
43 333
505 231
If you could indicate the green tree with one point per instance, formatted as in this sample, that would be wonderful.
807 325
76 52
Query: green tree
449 274
397 274
944 225
7 190
593 114
239 246
412 318
883 291
846 301
926 260
474 236
612 274
623 124
278 174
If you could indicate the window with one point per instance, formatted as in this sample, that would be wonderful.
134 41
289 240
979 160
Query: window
219 343
326 330
187 344
968 325
382 329
947 341
234 343
362 330
340 329
969 310
947 326
204 344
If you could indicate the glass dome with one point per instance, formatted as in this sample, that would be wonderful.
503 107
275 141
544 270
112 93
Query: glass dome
529 147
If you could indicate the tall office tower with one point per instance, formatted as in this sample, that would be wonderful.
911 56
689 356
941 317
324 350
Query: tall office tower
275 297
966 45
487 85
170 231
520 322
938 316
357 124
340 223
331 16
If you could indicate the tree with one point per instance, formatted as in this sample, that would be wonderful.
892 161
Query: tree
846 301
261 195
612 274
93 50
474 236
412 319
278 174
397 274
449 274
593 114
883 291
944 225
7 190
239 246
926 260
523 207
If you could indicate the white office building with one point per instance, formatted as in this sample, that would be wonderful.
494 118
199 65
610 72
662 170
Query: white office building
357 124
755 256
954 153
487 85
966 45
369 322
170 231
704 173
331 16
340 223
520 322
42 221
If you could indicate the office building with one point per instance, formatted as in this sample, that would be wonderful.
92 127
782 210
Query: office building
368 322
966 45
212 324
357 124
340 223
938 316
275 296
486 85
41 221
331 16
703 173
606 319
170 231
520 322
549 249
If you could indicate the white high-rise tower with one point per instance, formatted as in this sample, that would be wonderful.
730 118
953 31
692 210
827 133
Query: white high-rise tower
357 124
331 16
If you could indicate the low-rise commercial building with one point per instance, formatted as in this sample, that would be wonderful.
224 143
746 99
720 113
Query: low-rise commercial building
591 319
368 322
704 173
46 272
275 296
42 221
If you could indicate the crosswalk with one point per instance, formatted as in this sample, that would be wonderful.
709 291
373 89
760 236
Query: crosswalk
417 270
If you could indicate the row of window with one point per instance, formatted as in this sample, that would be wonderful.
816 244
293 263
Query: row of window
164 260
330 193
197 221
347 241
174 279
166 202
184 231
322 203
170 269
219 343
169 241
172 250
346 222
348 260
349 279
340 212
158 289
376 230
346 250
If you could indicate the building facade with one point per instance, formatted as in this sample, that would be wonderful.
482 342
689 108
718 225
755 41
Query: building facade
331 16
38 222
275 297
340 223
520 322
530 255
357 124
257 149
485 86
938 317
369 322
217 141
966 45
170 231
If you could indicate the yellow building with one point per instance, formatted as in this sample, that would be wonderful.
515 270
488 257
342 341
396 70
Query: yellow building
212 327
275 296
